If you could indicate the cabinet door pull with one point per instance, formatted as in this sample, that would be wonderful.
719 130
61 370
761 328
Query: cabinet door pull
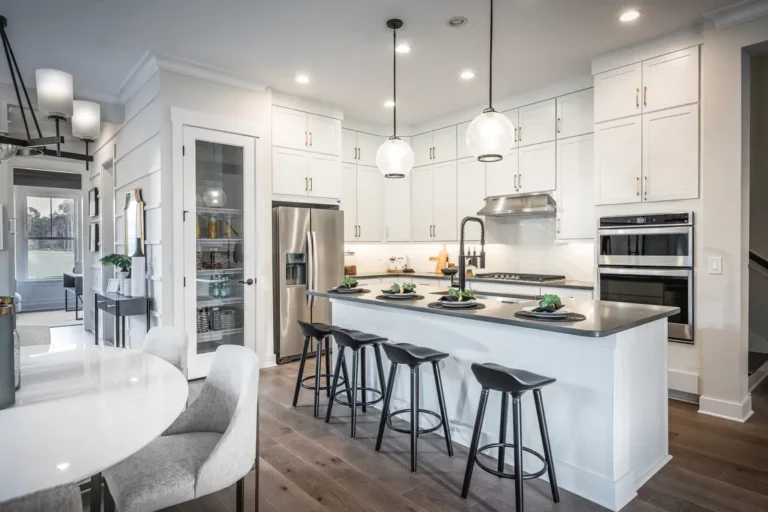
515 135
358 153
310 184
637 97
306 138
645 96
558 125
514 181
306 184
310 139
558 224
520 134
645 186
637 186
520 181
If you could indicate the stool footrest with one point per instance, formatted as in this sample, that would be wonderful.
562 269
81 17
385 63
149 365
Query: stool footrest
345 403
322 376
409 430
526 476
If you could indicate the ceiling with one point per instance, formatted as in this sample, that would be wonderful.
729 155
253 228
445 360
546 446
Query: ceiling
343 45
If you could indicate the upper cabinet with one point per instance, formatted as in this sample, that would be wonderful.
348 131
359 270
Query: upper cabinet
537 169
301 173
471 199
575 188
433 203
671 80
397 209
617 93
295 129
618 161
348 146
537 123
434 147
362 203
360 147
501 177
575 114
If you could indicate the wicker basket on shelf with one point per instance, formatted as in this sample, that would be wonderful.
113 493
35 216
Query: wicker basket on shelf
223 319
203 320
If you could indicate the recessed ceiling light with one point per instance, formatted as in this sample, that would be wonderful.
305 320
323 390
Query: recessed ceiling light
457 21
389 104
467 74
63 466
302 79
629 16
403 48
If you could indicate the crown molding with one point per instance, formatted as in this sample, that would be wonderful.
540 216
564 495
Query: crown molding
738 13
151 63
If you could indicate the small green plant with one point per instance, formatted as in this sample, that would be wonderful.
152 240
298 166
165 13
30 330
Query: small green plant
395 288
457 295
117 260
348 282
551 303
409 288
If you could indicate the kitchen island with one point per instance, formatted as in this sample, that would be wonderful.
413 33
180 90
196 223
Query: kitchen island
607 412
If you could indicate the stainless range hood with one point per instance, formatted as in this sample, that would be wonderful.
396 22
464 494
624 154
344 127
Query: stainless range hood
540 203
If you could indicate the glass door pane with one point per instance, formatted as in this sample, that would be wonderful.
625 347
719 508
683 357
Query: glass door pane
219 231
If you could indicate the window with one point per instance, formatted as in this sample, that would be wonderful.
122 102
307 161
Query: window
50 237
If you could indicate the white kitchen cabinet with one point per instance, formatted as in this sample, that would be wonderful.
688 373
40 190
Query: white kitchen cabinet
324 175
349 200
618 161
445 196
397 209
462 151
471 198
537 168
348 146
671 154
289 172
671 80
422 149
367 146
537 123
369 204
617 93
575 114
444 145
295 129
575 188
324 134
501 176
422 204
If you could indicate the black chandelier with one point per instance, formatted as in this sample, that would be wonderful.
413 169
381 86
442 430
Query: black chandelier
55 100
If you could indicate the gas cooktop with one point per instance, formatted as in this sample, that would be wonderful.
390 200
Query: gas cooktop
507 276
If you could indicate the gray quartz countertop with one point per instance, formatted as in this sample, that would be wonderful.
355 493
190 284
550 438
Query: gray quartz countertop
603 318
565 283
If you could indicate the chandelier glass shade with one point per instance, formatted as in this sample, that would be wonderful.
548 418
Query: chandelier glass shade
86 120
55 92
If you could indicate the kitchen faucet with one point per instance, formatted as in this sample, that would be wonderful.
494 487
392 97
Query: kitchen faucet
462 257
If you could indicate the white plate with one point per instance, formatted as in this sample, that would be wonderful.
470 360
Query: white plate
458 305
348 290
560 313
399 295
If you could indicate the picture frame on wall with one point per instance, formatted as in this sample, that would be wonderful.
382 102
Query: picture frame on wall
93 202
93 237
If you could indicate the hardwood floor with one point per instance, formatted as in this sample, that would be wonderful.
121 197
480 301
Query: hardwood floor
307 465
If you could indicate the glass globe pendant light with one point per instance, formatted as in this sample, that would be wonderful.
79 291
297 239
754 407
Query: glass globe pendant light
491 134
394 157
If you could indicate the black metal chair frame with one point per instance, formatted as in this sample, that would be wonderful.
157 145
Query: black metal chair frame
414 410
519 475
317 377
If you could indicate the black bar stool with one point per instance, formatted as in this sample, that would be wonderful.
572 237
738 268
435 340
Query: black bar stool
516 383
320 333
356 341
414 356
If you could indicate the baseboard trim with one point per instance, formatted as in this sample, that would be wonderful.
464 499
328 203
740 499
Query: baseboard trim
686 382
733 411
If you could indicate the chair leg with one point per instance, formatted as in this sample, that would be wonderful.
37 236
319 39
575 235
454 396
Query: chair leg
385 406
518 434
503 430
109 500
362 377
414 417
380 368
318 367
339 365
240 486
301 371
96 492
545 443
475 441
443 412
355 363
328 366
345 373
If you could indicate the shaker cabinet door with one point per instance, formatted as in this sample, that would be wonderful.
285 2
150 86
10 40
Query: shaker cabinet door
576 188
369 204
575 114
471 198
289 172
445 198
324 176
348 146
349 200
422 149
289 128
422 204
444 145
368 145
671 80
501 177
537 168
537 123
397 209
618 93
324 134
618 161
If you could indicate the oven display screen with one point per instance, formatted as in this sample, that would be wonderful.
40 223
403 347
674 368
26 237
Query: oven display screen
668 244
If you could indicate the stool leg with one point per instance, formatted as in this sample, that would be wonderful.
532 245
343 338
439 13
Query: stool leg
355 363
443 414
301 371
339 365
318 366
475 441
545 443
362 377
503 430
518 433
380 368
414 416
328 366
385 406
345 373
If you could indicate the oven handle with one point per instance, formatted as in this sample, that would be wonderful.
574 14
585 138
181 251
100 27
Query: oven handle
645 272
646 231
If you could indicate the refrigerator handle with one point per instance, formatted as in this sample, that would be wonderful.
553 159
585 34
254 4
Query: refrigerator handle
310 268
315 262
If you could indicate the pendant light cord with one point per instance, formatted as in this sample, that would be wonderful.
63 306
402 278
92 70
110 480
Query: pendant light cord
490 64
394 81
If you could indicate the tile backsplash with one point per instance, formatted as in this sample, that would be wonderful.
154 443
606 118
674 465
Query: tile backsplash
512 245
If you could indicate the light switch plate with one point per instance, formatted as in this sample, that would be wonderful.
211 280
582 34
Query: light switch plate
715 265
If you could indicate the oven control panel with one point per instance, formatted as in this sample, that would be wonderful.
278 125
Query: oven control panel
659 219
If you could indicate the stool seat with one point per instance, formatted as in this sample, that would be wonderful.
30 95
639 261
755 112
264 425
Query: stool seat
315 330
354 339
508 380
412 355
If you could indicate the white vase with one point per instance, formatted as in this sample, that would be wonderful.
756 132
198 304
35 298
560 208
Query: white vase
121 276
138 276
127 286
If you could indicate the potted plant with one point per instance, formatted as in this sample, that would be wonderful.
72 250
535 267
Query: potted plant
120 261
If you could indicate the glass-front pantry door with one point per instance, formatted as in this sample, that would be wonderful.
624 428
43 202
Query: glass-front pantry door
219 246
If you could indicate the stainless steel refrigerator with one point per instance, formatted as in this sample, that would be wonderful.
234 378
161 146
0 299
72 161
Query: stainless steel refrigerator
308 254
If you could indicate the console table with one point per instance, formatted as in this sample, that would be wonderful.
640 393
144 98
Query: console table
119 306
73 283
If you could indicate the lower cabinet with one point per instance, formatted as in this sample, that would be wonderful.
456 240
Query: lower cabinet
471 196
302 173
575 188
433 203
362 203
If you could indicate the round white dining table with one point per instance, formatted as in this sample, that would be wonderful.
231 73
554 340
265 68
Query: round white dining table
80 410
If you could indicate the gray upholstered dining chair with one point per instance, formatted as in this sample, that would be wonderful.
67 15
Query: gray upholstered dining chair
210 446
64 498
169 343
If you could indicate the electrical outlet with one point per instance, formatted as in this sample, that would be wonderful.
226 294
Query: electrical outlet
715 265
